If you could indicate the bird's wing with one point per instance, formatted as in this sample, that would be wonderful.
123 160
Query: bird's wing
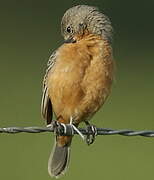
46 105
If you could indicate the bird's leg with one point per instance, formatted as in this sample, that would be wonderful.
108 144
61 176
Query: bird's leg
57 127
91 133
76 129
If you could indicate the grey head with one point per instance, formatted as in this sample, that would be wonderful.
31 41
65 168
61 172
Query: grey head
83 18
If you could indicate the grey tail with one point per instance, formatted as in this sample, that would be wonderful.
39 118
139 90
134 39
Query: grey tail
59 160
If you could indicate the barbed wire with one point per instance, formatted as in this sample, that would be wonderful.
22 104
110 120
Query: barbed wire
69 130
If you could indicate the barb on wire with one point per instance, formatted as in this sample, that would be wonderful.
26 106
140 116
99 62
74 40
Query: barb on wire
68 130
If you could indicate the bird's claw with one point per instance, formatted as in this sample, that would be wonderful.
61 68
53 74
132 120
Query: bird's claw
57 127
91 133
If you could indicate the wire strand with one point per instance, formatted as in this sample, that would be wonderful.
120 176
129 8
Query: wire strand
69 131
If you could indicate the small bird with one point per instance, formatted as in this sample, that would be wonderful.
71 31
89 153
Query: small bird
78 77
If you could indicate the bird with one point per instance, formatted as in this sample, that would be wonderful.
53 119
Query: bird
78 76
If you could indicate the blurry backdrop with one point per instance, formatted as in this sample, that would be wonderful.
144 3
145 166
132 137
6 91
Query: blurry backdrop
29 32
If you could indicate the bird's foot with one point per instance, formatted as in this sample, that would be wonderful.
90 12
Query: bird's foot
91 133
76 129
57 127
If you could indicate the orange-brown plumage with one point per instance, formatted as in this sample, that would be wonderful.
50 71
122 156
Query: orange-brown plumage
79 77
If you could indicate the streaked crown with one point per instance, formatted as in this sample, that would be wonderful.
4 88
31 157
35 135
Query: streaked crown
81 18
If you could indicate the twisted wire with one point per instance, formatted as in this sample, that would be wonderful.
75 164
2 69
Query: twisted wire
68 130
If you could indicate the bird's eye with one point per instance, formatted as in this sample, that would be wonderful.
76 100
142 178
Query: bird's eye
69 30
81 24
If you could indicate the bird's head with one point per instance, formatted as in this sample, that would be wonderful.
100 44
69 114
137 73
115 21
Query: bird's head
83 19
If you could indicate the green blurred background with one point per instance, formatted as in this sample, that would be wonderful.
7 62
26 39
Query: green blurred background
29 32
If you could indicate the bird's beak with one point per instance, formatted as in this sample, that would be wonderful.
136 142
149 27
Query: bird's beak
70 40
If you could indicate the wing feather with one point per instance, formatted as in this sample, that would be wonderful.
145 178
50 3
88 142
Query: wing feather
46 105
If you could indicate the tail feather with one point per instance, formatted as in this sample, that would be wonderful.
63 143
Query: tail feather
59 160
